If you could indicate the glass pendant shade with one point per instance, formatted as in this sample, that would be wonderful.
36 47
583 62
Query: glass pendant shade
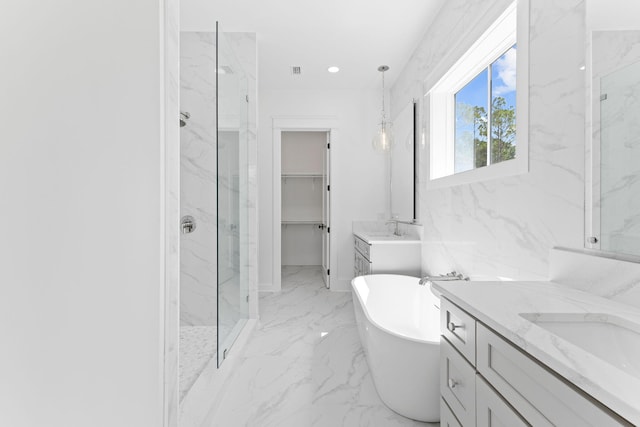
383 139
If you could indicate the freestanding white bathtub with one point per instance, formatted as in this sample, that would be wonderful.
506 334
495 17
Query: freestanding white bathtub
399 325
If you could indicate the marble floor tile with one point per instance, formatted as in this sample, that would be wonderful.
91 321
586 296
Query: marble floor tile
304 365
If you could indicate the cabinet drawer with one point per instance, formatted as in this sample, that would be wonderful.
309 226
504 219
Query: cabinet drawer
538 395
363 247
457 383
492 410
447 419
366 267
459 328
361 266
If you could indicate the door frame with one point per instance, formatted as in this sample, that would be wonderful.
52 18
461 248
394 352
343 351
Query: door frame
301 124
326 212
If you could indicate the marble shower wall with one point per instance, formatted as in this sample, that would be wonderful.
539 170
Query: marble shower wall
505 227
198 179
198 256
232 294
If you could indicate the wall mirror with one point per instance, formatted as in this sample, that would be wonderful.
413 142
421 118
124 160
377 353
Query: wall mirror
612 214
403 165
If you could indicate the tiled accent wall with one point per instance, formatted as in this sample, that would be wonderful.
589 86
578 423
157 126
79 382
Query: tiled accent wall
505 227
198 251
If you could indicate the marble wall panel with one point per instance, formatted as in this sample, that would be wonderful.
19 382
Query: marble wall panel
198 291
244 45
198 179
590 271
504 228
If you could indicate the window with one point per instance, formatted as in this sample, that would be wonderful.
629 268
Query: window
476 108
479 117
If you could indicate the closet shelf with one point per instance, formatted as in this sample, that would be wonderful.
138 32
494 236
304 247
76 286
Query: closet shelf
302 175
301 222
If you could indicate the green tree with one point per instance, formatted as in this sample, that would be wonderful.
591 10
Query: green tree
503 130
479 136
477 117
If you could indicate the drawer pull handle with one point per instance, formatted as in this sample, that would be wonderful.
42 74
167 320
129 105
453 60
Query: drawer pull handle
452 326
452 383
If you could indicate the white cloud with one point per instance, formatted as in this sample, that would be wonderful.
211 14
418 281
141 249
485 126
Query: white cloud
505 73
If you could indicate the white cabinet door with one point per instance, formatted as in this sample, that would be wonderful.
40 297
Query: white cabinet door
457 383
447 419
492 410
540 396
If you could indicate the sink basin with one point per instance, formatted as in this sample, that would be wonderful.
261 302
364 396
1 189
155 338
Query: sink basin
610 338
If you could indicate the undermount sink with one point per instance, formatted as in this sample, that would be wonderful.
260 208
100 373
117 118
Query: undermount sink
610 338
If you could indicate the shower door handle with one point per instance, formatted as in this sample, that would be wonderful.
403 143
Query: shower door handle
187 224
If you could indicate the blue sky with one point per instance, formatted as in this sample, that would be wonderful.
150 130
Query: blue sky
504 72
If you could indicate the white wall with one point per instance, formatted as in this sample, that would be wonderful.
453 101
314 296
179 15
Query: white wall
357 172
82 212
505 227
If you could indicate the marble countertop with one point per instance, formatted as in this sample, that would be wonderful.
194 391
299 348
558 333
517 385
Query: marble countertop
498 305
385 237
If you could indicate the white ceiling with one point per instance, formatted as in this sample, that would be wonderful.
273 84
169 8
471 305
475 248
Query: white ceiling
355 35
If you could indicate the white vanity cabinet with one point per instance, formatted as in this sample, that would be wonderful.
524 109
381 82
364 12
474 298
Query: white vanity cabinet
486 381
361 262
386 255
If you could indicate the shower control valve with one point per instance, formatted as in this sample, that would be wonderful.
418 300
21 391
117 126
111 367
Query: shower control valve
187 224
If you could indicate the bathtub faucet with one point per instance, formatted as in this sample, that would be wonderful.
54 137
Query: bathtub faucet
397 221
442 277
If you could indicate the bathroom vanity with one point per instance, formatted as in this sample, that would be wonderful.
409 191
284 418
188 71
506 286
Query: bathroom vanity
537 353
383 252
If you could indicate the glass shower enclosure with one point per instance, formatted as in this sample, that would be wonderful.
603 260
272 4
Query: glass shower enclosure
232 218
620 160
213 191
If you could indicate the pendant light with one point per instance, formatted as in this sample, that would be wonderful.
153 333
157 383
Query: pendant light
383 140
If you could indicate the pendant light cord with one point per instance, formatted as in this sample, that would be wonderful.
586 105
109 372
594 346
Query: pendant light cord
383 115
382 69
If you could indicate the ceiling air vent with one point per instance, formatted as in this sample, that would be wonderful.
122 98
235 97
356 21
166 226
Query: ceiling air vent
296 70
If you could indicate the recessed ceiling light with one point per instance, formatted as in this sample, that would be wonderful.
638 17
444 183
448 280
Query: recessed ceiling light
333 69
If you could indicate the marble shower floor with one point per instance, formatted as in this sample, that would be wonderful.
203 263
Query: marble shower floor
197 348
303 365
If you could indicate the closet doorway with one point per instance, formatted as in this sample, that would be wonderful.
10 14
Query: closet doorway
302 200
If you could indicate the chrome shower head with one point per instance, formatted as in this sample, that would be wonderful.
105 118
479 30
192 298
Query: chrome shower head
184 116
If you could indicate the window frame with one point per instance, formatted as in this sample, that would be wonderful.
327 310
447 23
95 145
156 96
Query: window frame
440 101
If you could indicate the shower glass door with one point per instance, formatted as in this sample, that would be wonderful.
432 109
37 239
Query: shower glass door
231 177
620 161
